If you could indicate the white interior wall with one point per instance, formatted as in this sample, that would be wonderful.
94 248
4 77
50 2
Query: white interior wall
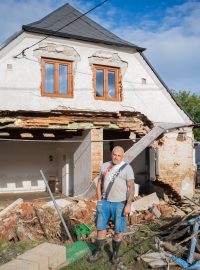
20 163
82 165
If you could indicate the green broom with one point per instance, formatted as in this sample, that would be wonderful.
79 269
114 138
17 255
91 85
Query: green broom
77 249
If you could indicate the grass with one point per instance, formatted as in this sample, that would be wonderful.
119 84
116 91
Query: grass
10 250
132 247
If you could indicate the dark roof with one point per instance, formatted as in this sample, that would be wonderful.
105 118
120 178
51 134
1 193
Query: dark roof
82 29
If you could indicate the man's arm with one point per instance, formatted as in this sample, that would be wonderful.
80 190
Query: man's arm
130 187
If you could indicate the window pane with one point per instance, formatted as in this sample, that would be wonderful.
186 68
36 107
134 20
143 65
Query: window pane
49 78
63 79
111 84
99 83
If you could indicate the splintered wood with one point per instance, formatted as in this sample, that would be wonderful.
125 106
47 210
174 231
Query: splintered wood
28 222
38 220
76 120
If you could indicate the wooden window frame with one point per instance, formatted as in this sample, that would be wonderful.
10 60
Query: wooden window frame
117 82
56 63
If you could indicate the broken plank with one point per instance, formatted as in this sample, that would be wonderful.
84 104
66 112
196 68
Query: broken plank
11 206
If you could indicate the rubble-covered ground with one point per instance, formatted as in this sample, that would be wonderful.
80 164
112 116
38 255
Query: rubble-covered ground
153 226
139 241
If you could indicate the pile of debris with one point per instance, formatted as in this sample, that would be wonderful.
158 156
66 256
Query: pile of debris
81 212
39 220
177 243
21 221
150 207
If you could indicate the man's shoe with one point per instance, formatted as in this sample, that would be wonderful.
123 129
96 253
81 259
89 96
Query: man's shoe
116 244
96 256
98 253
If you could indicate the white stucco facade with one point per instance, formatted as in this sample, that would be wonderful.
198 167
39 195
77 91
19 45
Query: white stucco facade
20 79
70 163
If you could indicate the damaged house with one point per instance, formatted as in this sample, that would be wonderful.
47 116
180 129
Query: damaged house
70 91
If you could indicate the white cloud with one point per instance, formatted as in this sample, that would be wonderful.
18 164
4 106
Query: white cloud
173 49
186 15
15 13
105 16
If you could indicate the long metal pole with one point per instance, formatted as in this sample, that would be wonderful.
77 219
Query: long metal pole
56 206
191 201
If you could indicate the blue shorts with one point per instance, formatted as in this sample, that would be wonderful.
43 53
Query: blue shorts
105 210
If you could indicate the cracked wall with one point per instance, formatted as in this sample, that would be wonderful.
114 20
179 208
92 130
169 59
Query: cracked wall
20 79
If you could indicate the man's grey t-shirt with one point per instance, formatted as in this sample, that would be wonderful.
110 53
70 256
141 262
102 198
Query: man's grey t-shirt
118 192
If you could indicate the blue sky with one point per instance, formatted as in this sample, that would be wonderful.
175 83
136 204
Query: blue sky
169 29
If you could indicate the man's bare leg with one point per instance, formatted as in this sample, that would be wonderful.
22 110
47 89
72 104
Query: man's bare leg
101 234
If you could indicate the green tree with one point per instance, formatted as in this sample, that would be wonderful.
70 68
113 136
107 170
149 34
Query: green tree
191 102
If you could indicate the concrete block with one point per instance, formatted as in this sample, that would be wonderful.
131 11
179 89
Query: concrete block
60 203
56 254
20 265
145 203
41 260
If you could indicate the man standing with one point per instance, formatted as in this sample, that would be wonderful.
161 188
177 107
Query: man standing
114 194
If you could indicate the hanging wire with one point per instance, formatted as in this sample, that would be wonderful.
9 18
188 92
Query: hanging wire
48 35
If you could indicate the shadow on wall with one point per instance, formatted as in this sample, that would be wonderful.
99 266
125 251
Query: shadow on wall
197 153
161 189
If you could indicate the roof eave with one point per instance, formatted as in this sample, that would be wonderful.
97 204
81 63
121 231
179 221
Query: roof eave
64 35
10 39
